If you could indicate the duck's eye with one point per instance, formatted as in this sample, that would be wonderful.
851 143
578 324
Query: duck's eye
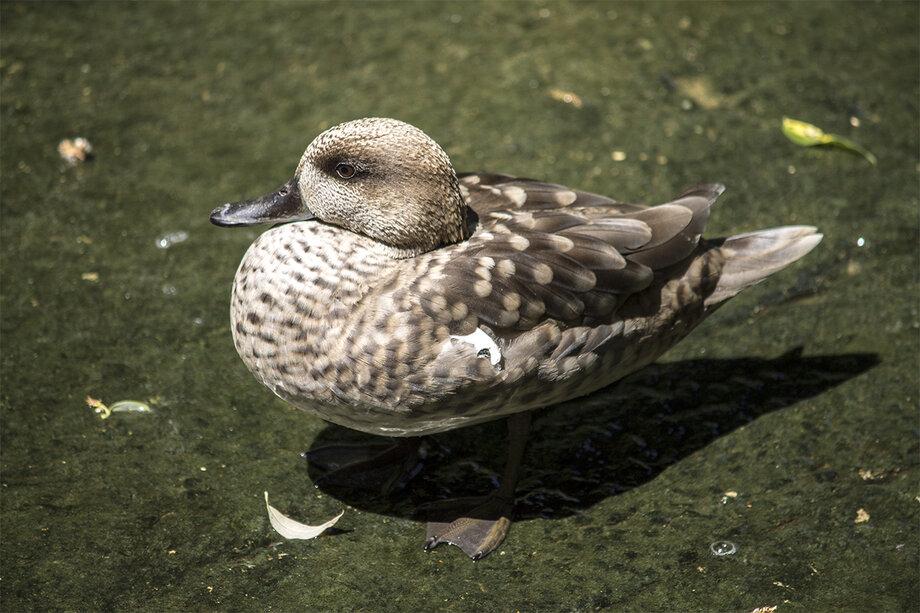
344 170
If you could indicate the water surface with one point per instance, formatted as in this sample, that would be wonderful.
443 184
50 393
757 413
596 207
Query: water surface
770 428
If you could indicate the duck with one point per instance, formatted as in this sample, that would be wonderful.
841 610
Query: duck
394 296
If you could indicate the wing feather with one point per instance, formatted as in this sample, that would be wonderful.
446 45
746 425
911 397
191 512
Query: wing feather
544 252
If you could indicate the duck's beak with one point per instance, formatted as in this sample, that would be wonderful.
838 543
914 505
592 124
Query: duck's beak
285 204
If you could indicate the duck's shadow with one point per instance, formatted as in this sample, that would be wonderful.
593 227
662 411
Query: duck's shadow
584 451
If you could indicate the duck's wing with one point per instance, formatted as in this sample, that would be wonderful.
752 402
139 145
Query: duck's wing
557 254
489 193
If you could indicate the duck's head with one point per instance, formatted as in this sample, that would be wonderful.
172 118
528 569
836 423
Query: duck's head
378 177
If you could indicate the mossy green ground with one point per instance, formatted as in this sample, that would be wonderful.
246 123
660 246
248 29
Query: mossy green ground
190 105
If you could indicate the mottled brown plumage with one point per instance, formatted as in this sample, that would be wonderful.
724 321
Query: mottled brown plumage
407 301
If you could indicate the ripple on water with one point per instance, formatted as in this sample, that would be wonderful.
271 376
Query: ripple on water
723 548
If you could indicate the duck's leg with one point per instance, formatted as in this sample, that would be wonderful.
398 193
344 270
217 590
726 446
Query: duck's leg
389 464
478 525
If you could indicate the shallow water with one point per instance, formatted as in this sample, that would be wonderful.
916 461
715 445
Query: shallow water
770 428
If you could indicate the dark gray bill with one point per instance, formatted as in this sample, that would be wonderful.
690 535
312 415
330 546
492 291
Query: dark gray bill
282 205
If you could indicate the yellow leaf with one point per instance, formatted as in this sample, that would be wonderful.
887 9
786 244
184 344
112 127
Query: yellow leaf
566 97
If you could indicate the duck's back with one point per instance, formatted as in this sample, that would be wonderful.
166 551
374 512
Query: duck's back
570 256
575 290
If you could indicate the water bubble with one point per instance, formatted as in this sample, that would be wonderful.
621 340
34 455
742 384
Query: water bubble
860 241
170 290
723 548
171 238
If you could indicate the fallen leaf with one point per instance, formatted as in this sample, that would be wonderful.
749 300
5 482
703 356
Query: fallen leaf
99 407
861 517
701 91
292 529
566 97
76 150
130 406
92 277
808 135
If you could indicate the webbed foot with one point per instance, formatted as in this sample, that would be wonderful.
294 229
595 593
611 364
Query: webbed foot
481 528
477 530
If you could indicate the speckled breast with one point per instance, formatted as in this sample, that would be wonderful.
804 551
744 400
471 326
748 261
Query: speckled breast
314 319
293 295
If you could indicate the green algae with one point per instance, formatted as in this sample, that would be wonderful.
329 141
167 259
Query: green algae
189 105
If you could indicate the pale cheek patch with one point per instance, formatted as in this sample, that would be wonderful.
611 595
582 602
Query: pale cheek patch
292 529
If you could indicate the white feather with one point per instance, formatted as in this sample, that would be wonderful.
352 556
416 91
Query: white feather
291 529
480 340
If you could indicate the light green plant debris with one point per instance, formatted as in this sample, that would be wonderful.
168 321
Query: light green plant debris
808 135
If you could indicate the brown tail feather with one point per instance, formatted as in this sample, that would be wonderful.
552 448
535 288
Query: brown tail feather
752 257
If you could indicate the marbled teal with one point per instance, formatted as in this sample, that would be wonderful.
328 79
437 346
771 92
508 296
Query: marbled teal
398 298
